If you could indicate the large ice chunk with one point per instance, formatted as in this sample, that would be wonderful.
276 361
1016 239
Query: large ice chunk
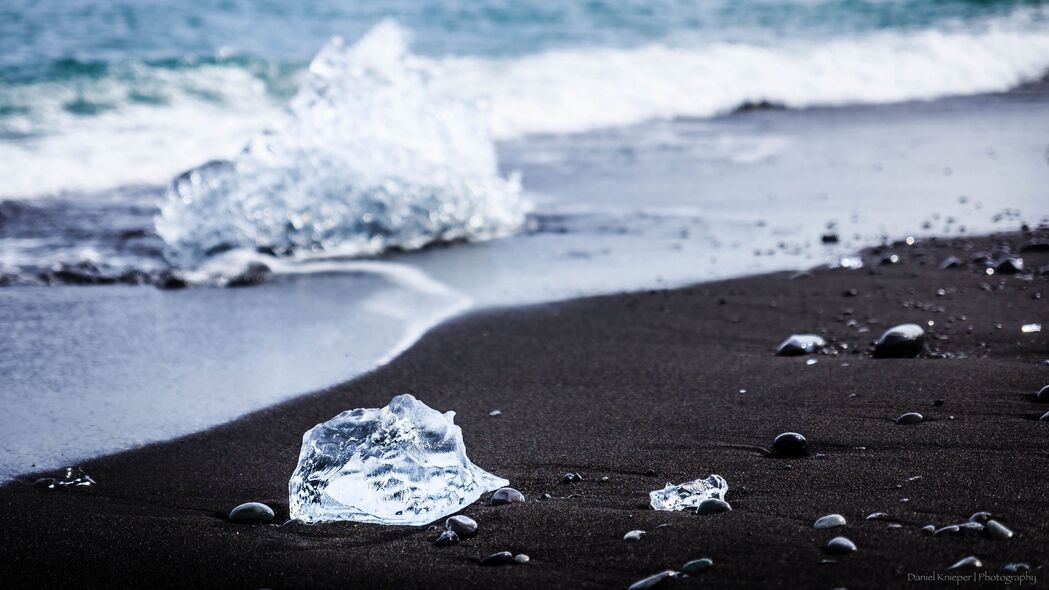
689 494
403 464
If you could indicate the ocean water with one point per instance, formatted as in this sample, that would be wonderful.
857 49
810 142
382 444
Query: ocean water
393 164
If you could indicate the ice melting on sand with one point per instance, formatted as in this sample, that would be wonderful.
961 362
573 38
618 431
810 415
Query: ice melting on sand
689 494
404 464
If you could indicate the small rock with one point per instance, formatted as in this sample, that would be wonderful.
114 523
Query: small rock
938 403
633 536
49 483
251 512
713 506
500 558
830 238
571 478
506 496
971 562
255 274
950 262
1043 395
1017 567
1045 417
903 341
928 529
840 546
980 517
521 558
464 526
950 530
997 530
830 521
800 344
697 565
878 516
652 580
790 444
1010 265
447 538
910 418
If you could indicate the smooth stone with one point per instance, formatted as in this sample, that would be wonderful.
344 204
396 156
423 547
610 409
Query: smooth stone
521 558
1017 567
790 444
840 546
464 526
980 517
251 512
447 538
970 528
697 565
966 563
652 580
633 536
950 262
1045 417
1010 265
1043 395
46 482
929 529
571 478
878 516
903 341
910 418
830 521
713 506
506 496
997 530
501 558
948 530
254 274
800 344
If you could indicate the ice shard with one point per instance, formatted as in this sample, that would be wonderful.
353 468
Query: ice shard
403 464
689 494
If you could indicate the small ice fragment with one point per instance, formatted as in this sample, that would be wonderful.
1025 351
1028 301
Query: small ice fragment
633 536
1031 328
495 413
800 344
74 478
689 494
811 362
402 464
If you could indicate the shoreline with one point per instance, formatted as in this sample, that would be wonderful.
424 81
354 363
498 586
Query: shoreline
651 396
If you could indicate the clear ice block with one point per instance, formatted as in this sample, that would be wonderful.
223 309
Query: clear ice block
689 494
403 464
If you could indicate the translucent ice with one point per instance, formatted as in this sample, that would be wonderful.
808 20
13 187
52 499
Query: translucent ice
376 151
689 494
403 464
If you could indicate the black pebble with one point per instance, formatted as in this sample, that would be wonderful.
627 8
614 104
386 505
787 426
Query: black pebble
501 558
790 444
447 538
903 341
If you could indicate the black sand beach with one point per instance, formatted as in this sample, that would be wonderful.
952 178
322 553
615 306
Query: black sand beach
643 389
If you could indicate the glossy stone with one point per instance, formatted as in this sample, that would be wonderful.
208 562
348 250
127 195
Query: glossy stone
997 530
464 526
251 512
903 341
447 538
790 444
652 580
1043 395
910 418
713 506
970 562
980 517
633 536
830 521
800 344
506 496
697 565
500 558
521 558
840 546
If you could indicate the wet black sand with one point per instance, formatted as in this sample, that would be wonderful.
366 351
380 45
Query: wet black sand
644 389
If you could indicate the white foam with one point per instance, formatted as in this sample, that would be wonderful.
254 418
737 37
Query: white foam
553 92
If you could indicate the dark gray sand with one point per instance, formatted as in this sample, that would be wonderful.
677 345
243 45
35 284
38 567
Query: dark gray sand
643 389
